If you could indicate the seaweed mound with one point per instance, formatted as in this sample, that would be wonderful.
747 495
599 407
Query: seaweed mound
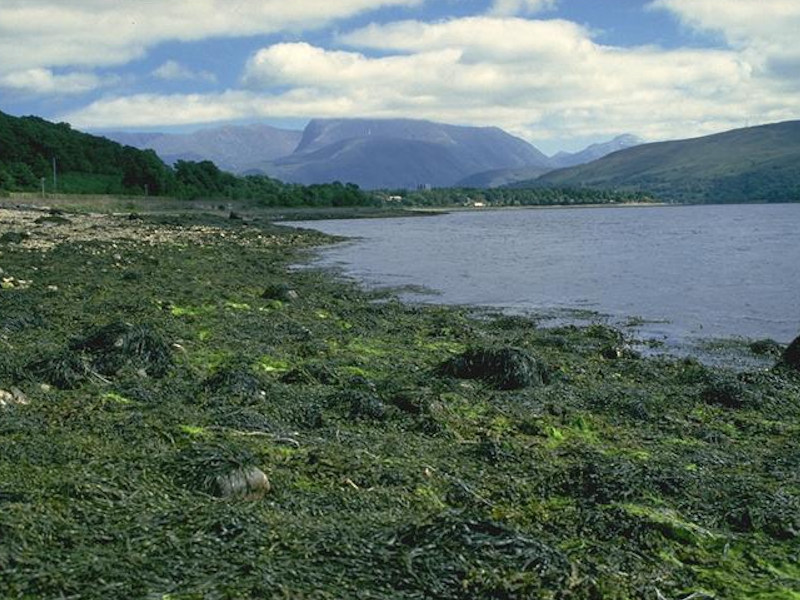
791 356
119 344
504 368
456 557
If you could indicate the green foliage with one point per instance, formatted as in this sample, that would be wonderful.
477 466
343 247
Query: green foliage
84 163
518 196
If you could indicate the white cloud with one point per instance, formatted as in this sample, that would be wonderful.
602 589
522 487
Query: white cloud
45 82
174 71
765 31
516 7
541 79
88 33
741 21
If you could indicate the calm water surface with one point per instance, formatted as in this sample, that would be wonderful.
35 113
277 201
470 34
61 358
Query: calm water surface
689 272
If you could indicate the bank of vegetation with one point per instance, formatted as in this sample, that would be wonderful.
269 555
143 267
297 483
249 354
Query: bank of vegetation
182 415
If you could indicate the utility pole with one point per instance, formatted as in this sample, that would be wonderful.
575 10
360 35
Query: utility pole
42 187
55 179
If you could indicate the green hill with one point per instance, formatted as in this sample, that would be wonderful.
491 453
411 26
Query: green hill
751 164
84 163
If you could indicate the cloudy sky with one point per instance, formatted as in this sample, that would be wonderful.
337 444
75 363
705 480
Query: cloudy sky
560 73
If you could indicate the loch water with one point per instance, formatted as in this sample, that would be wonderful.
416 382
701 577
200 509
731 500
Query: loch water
673 273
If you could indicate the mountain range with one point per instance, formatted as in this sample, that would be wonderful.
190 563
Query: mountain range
374 153
759 163
753 163
233 148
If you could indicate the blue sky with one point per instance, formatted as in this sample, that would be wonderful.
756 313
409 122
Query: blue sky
559 73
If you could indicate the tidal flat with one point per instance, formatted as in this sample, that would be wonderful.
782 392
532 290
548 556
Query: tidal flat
184 416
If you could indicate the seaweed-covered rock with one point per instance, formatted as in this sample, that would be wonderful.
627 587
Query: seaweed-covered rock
280 291
766 347
235 381
504 368
119 344
791 356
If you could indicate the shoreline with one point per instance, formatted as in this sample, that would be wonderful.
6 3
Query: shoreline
187 415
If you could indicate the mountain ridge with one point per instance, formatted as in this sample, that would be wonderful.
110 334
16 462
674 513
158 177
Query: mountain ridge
747 164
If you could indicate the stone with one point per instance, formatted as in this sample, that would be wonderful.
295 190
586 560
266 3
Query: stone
13 397
246 483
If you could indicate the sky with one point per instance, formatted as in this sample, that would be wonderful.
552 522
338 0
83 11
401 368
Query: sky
558 73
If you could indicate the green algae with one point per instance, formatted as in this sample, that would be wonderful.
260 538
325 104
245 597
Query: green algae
619 478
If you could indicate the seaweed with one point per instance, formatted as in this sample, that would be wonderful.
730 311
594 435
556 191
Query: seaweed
456 556
396 449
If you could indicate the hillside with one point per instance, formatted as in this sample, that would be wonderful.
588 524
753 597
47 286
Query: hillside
398 153
233 148
503 177
84 163
750 164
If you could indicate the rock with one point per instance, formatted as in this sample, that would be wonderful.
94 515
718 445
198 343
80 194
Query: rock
280 291
246 483
791 356
13 397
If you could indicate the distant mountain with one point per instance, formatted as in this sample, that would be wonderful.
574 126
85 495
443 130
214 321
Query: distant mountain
233 148
595 151
750 164
502 177
399 153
